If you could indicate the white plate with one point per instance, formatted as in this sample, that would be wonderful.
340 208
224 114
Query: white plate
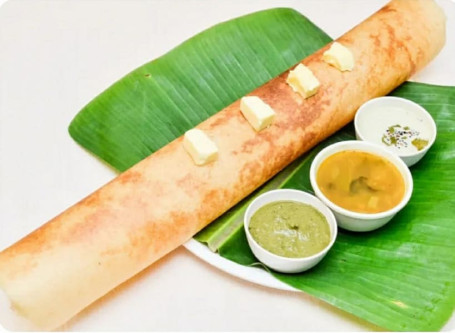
252 274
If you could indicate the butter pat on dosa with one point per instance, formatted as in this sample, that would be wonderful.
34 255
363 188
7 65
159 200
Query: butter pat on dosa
161 202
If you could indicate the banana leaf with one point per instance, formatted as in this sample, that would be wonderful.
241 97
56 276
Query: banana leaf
164 98
401 277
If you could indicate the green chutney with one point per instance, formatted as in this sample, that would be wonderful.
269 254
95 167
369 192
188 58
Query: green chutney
290 229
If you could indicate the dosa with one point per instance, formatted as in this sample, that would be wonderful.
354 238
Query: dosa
161 202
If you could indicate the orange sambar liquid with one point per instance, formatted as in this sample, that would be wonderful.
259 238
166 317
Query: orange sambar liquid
360 181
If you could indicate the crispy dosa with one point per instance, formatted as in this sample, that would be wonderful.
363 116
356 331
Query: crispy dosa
161 202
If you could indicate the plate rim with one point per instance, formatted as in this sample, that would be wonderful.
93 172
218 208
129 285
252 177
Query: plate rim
252 274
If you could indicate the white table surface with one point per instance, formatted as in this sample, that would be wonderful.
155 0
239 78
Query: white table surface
55 56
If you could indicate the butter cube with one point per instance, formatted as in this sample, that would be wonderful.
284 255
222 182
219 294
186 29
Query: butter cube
303 81
339 56
200 147
257 112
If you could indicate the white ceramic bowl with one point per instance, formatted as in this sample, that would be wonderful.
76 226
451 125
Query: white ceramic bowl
374 117
355 221
284 264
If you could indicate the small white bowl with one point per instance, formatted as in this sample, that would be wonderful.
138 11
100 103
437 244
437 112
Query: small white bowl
284 264
374 117
355 221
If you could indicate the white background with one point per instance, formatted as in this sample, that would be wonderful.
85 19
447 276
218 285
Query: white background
55 56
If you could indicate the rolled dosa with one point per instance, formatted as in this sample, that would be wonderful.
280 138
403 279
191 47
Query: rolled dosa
161 202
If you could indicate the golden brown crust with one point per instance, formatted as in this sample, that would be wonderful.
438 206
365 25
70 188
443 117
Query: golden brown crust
161 202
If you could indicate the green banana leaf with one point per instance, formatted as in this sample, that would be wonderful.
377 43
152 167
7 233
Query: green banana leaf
164 98
401 277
